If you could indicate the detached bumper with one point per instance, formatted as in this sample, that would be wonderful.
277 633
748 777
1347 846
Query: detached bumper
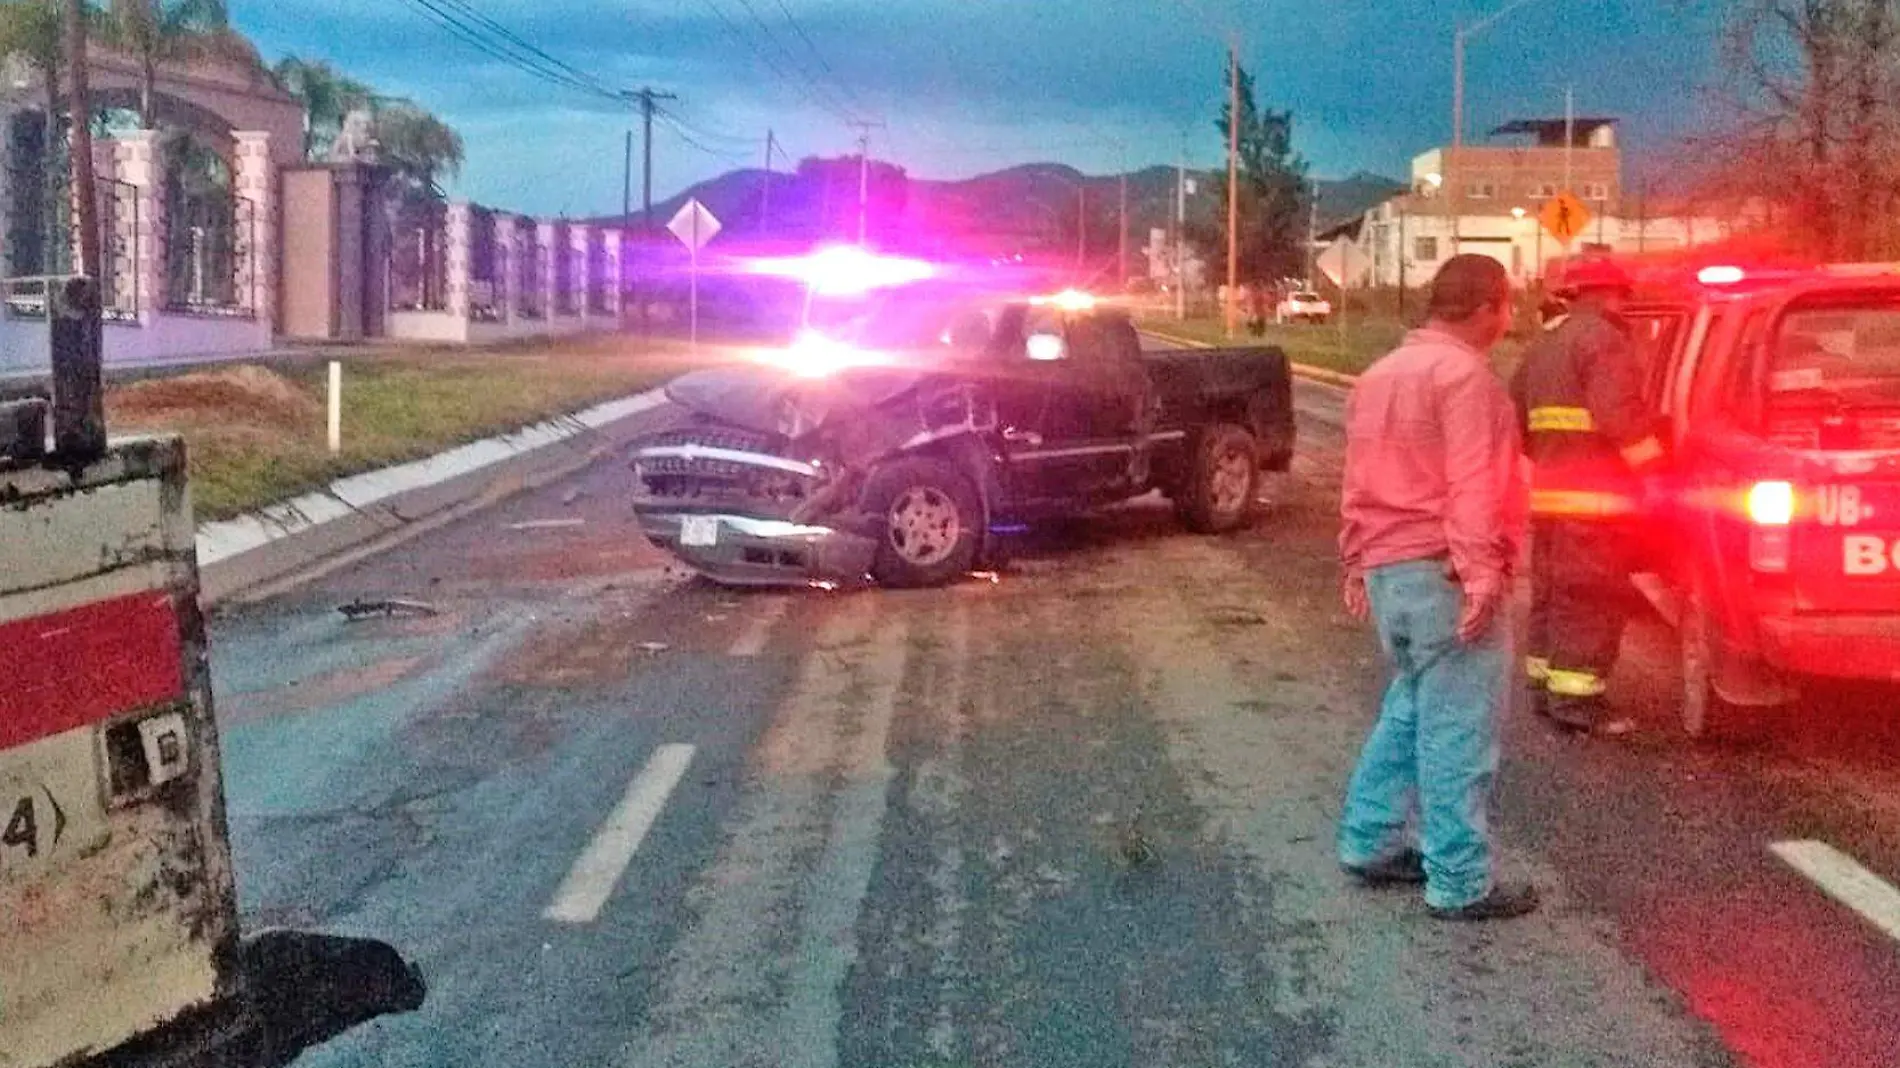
743 550
1841 647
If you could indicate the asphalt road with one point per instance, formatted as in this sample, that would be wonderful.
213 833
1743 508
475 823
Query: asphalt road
1080 814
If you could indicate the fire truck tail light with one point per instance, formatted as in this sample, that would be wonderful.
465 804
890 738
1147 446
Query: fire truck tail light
1771 504
1770 510
1720 276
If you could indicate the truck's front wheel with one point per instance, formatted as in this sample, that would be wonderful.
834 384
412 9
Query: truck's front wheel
1219 495
929 522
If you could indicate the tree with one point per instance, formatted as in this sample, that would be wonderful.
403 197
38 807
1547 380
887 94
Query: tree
327 97
166 31
1272 200
1813 119
30 32
417 147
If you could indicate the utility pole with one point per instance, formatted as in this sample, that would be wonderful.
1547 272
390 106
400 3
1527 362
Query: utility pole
626 190
1233 181
765 191
74 326
1121 244
1081 230
864 178
1312 229
1450 167
1180 238
647 98
1570 132
81 106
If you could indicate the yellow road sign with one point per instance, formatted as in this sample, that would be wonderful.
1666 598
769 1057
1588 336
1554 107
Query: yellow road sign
1564 216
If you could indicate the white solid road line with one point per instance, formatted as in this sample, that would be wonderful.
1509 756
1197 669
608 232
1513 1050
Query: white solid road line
1845 881
546 524
758 629
597 871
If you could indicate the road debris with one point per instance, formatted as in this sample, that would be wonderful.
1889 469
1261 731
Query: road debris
384 606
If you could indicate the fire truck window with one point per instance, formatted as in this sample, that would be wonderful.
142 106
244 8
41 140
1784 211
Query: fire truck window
1837 357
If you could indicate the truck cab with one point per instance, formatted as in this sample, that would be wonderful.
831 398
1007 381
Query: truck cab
1779 393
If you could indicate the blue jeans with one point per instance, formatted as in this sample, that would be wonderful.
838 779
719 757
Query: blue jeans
1433 755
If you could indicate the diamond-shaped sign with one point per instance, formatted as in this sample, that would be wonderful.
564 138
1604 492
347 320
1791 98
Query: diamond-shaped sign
1343 262
1564 216
694 225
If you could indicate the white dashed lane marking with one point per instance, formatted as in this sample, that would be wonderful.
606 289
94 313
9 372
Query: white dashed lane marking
598 869
1846 881
758 628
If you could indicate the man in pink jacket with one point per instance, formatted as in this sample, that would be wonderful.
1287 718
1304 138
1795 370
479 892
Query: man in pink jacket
1434 512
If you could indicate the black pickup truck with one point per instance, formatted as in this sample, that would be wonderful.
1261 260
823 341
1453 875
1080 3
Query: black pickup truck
901 458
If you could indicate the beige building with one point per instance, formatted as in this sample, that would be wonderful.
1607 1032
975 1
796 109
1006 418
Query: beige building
1487 199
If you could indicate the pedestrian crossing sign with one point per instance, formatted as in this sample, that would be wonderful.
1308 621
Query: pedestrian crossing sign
1564 216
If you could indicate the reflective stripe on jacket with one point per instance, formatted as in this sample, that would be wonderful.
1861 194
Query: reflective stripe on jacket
1586 427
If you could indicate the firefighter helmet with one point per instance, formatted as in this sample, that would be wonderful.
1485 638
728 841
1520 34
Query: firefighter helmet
1594 273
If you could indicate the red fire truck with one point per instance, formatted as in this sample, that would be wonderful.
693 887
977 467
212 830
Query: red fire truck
1779 389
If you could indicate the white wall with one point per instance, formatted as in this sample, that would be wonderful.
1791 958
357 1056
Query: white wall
165 339
429 326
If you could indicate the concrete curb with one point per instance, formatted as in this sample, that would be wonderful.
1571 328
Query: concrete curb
379 508
1324 375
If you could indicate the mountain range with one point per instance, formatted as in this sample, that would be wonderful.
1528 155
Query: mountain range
1029 208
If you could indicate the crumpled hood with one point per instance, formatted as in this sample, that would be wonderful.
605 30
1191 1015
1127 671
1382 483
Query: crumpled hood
758 397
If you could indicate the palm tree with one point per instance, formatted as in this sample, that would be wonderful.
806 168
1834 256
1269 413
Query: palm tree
327 97
417 147
30 30
160 31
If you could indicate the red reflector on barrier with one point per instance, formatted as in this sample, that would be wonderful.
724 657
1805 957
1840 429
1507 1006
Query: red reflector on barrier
73 668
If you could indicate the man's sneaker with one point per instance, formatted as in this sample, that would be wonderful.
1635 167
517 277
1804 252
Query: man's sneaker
1406 868
1502 903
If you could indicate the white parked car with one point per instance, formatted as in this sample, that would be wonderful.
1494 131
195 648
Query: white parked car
1303 306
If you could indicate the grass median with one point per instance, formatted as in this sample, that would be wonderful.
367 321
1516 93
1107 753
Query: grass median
1350 351
256 433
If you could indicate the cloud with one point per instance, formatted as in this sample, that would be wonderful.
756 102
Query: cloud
960 82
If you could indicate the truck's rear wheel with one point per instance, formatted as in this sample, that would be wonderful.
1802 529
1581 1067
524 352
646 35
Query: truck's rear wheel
1702 705
1225 472
929 522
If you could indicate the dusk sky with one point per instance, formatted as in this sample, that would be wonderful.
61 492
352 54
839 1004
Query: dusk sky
966 86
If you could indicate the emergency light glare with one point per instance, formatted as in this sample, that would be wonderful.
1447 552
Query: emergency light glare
1771 504
813 355
1720 276
1045 347
1069 300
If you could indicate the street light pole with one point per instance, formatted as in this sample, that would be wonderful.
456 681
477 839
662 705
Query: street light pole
1450 168
1233 182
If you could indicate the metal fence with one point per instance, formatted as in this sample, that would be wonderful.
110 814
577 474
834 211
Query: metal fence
599 291
563 253
484 267
418 261
203 252
25 296
530 302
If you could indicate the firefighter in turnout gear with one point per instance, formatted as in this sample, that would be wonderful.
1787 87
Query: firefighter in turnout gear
1588 435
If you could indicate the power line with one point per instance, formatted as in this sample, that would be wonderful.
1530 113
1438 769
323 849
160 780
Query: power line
704 132
772 63
485 42
805 37
803 71
530 49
